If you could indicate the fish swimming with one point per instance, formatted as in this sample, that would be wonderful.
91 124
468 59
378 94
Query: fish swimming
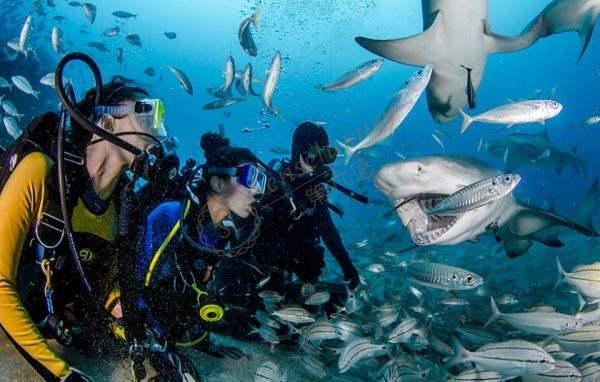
170 35
416 183
515 113
56 40
353 77
24 36
123 15
244 85
182 78
89 10
357 350
98 45
221 103
271 83
149 71
48 79
397 110
11 127
442 276
584 278
111 32
245 35
470 90
10 109
134 39
224 91
23 85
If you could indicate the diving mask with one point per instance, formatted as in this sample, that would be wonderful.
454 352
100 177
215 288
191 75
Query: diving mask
316 155
248 175
151 110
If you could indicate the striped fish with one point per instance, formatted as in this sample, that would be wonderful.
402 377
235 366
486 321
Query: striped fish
583 341
477 194
314 366
590 372
357 350
402 370
442 276
584 278
404 331
294 315
511 358
477 375
348 330
268 372
563 371
266 333
556 351
320 331
318 298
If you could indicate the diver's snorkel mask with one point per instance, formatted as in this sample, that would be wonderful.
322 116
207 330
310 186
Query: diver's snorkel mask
151 112
248 175
318 156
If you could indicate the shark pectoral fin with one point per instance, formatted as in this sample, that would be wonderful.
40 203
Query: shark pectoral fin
584 213
548 239
420 50
495 43
516 248
585 33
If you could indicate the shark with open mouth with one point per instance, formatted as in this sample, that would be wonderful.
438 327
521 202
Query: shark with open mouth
414 186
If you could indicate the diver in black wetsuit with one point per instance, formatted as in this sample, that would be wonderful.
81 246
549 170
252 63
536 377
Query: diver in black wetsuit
296 215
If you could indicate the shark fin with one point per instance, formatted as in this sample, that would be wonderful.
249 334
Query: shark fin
585 33
496 43
587 207
418 50
550 240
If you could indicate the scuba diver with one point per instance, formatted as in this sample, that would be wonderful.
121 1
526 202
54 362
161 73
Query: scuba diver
61 188
296 215
186 252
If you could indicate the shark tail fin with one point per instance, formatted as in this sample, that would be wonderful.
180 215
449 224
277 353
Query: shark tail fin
496 314
460 353
467 120
561 274
586 30
348 151
495 43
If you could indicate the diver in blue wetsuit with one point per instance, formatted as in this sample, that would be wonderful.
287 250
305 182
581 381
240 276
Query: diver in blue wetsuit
182 251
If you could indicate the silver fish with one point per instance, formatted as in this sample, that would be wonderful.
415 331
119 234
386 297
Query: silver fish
536 322
11 127
270 297
268 372
402 103
4 83
477 194
111 32
48 79
10 109
454 302
477 375
265 319
294 315
387 317
348 330
556 351
402 370
56 40
271 83
24 36
23 85
245 36
590 372
515 113
563 371
582 341
508 299
314 366
244 85
592 120
353 77
376 268
224 91
358 350
442 276
98 45
221 103
320 331
404 331
512 358
134 39
476 335
266 333
318 298
584 278
89 10
182 78
440 346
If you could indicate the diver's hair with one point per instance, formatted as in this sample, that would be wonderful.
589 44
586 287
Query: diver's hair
114 92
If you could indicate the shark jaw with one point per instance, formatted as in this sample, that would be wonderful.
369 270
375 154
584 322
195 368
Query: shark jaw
424 229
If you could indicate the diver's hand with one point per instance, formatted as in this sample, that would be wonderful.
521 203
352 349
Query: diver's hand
76 376
323 173
173 366
351 276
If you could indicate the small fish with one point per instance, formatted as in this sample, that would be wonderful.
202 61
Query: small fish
4 83
268 372
263 282
171 35
10 109
358 350
271 83
395 113
508 299
149 71
38 8
515 113
123 15
321 330
48 79
245 36
134 39
353 77
111 32
119 55
270 297
221 103
470 89
376 268
98 45
318 298
59 18
454 302
476 195
477 375
23 85
511 358
347 330
387 318
438 140
590 372
591 120
89 10
265 319
537 322
182 78
75 4
244 85
584 340
563 371
224 91
417 293
56 40
279 150
314 366
442 276
266 333
11 127
404 331
294 315
584 278
362 243
23 36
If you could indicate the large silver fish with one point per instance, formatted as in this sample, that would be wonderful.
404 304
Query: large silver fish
271 83
56 40
221 103
563 371
394 114
442 276
584 278
244 85
477 194
24 36
89 10
182 78
224 91
515 113
23 85
245 36
356 75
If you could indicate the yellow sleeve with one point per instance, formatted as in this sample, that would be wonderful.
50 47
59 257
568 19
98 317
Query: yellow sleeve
21 201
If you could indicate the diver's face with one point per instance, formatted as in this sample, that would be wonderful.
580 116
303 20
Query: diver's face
240 198
305 167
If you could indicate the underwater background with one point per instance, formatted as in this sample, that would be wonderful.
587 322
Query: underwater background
316 41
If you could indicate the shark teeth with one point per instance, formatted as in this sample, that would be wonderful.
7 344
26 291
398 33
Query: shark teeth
423 228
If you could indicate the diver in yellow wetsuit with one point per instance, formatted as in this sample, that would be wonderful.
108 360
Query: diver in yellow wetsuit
126 112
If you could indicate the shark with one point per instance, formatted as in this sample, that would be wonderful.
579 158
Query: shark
457 39
416 185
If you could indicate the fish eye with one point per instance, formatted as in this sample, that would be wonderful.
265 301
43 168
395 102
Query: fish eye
469 279
507 179
406 83
542 361
420 72
493 182
419 168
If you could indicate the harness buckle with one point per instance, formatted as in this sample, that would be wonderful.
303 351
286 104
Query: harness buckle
54 224
72 158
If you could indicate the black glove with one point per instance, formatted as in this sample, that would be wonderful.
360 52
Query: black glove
323 173
172 366
351 276
76 376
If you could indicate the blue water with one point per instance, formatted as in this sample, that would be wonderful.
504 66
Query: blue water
316 41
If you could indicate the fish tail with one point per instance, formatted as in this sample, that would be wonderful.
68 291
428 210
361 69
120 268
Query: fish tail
255 18
561 274
496 314
36 94
319 86
348 151
460 353
467 120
